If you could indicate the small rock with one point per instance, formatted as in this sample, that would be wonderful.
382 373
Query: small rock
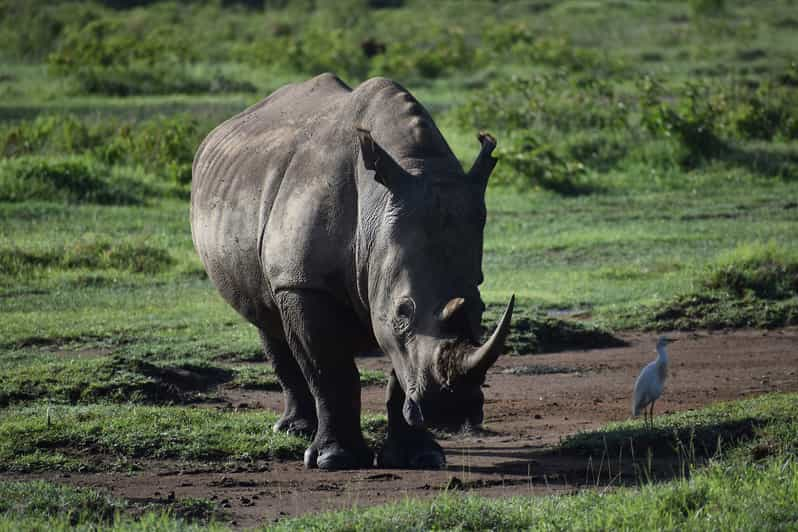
538 416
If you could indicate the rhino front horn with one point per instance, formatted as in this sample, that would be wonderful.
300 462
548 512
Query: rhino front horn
483 358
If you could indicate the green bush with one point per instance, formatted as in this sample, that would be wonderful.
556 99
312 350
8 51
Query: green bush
693 121
318 49
518 42
53 134
78 179
766 113
429 55
529 162
764 270
107 57
554 101
163 145
89 252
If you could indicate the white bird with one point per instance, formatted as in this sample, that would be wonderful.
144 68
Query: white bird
651 381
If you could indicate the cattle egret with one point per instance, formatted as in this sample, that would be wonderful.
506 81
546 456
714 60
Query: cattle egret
650 382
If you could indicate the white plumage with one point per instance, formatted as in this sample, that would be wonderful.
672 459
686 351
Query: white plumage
651 381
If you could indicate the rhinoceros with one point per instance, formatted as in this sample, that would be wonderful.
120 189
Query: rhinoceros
338 221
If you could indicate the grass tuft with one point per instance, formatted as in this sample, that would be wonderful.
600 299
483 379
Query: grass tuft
89 252
101 433
73 179
765 271
534 332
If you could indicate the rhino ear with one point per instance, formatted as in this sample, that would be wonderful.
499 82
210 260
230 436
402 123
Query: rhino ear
485 162
386 170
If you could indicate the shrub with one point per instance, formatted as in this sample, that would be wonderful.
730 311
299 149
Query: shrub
89 252
764 270
107 57
694 120
163 145
533 163
318 49
60 133
70 179
519 43
556 101
425 57
766 113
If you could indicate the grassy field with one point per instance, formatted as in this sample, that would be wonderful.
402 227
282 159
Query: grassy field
648 179
743 485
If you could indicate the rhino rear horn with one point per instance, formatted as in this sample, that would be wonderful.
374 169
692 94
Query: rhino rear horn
485 162
482 358
451 308
386 170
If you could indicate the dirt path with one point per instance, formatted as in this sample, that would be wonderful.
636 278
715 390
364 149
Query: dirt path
524 416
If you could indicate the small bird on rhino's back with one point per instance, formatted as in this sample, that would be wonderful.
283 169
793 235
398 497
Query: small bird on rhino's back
651 381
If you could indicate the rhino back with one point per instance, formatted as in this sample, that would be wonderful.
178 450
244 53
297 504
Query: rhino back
263 193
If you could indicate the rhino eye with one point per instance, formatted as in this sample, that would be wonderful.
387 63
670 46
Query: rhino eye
405 312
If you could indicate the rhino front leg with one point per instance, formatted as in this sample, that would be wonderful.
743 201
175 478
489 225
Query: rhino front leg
405 446
316 331
299 416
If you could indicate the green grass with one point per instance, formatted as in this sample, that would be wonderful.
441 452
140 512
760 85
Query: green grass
101 375
721 497
40 505
646 181
42 437
704 432
750 483
127 432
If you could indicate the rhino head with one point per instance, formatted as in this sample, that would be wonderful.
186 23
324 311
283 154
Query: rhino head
424 268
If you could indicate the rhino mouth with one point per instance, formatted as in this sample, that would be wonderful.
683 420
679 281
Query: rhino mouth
458 361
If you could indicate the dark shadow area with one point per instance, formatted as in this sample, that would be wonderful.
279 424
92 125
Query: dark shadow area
536 333
700 441
624 457
763 162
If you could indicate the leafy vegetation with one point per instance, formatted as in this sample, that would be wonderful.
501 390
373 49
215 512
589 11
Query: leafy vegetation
745 480
41 437
647 180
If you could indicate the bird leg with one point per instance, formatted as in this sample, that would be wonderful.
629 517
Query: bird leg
651 414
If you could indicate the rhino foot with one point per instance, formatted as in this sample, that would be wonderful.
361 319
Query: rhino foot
420 451
333 457
298 426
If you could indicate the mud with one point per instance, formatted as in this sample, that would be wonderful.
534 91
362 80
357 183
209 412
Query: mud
527 413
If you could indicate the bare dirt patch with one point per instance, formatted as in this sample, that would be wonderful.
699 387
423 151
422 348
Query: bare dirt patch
526 416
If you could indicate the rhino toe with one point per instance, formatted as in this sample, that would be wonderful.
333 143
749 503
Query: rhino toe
335 457
296 425
412 453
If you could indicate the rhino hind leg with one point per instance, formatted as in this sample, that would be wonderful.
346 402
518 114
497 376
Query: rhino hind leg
299 416
315 326
405 446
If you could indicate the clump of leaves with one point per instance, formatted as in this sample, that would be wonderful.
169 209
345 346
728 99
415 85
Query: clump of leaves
107 57
135 256
162 145
76 179
763 270
528 162
534 332
693 122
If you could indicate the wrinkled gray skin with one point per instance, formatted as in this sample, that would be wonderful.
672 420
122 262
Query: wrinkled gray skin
338 221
